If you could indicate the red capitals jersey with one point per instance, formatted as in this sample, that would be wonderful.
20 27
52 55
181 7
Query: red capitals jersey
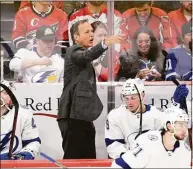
27 21
85 13
157 21
103 74
177 19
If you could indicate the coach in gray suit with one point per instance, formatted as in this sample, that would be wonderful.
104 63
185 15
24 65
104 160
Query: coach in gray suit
79 103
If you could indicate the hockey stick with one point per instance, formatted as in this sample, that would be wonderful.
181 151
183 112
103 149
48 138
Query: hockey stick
186 109
7 48
52 160
16 104
141 116
184 99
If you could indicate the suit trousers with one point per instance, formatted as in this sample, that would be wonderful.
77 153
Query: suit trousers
78 139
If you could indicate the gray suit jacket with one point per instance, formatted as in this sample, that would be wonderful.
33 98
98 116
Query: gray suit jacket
79 99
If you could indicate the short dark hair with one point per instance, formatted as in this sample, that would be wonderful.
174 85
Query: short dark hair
138 4
74 28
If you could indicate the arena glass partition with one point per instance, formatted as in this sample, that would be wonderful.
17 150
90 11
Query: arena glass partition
45 107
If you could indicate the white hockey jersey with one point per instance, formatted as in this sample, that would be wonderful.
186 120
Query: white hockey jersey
122 126
148 151
189 109
26 135
39 73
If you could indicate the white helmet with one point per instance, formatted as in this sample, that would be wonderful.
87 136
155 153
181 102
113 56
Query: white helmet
8 84
11 87
174 114
131 85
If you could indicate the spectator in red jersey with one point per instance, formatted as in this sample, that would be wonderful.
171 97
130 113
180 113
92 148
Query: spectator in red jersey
94 11
30 18
101 64
58 4
179 17
144 59
143 14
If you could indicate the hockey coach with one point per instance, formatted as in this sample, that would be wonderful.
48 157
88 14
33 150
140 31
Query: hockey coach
79 103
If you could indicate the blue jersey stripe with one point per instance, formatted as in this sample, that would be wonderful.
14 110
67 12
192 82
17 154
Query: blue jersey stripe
110 141
122 163
25 142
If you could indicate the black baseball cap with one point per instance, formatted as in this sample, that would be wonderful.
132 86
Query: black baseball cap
45 33
186 28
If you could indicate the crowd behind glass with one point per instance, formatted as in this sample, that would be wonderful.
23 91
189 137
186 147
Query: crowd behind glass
156 45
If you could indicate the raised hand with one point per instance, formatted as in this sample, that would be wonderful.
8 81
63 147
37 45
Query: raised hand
114 39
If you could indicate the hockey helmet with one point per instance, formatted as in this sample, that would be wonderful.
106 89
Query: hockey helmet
131 86
8 84
174 114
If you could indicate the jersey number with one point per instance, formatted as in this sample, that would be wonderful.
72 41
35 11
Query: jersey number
168 64
136 150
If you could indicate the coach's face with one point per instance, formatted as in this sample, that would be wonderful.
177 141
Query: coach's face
85 35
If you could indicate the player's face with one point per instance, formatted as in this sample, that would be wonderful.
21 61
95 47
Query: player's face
99 35
5 98
181 130
85 35
132 102
187 6
187 39
143 12
143 42
46 46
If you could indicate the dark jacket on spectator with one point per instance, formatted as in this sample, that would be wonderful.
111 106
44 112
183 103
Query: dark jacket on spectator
131 64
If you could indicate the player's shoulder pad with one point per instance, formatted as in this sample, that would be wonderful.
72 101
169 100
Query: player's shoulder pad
116 109
153 135
115 113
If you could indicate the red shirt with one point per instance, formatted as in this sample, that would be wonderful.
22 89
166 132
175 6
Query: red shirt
177 19
158 22
103 76
27 21
85 13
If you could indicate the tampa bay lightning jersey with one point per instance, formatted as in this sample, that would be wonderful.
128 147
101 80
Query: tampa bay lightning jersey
26 136
179 64
38 73
122 127
148 151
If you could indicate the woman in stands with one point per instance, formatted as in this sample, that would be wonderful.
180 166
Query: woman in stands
144 59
